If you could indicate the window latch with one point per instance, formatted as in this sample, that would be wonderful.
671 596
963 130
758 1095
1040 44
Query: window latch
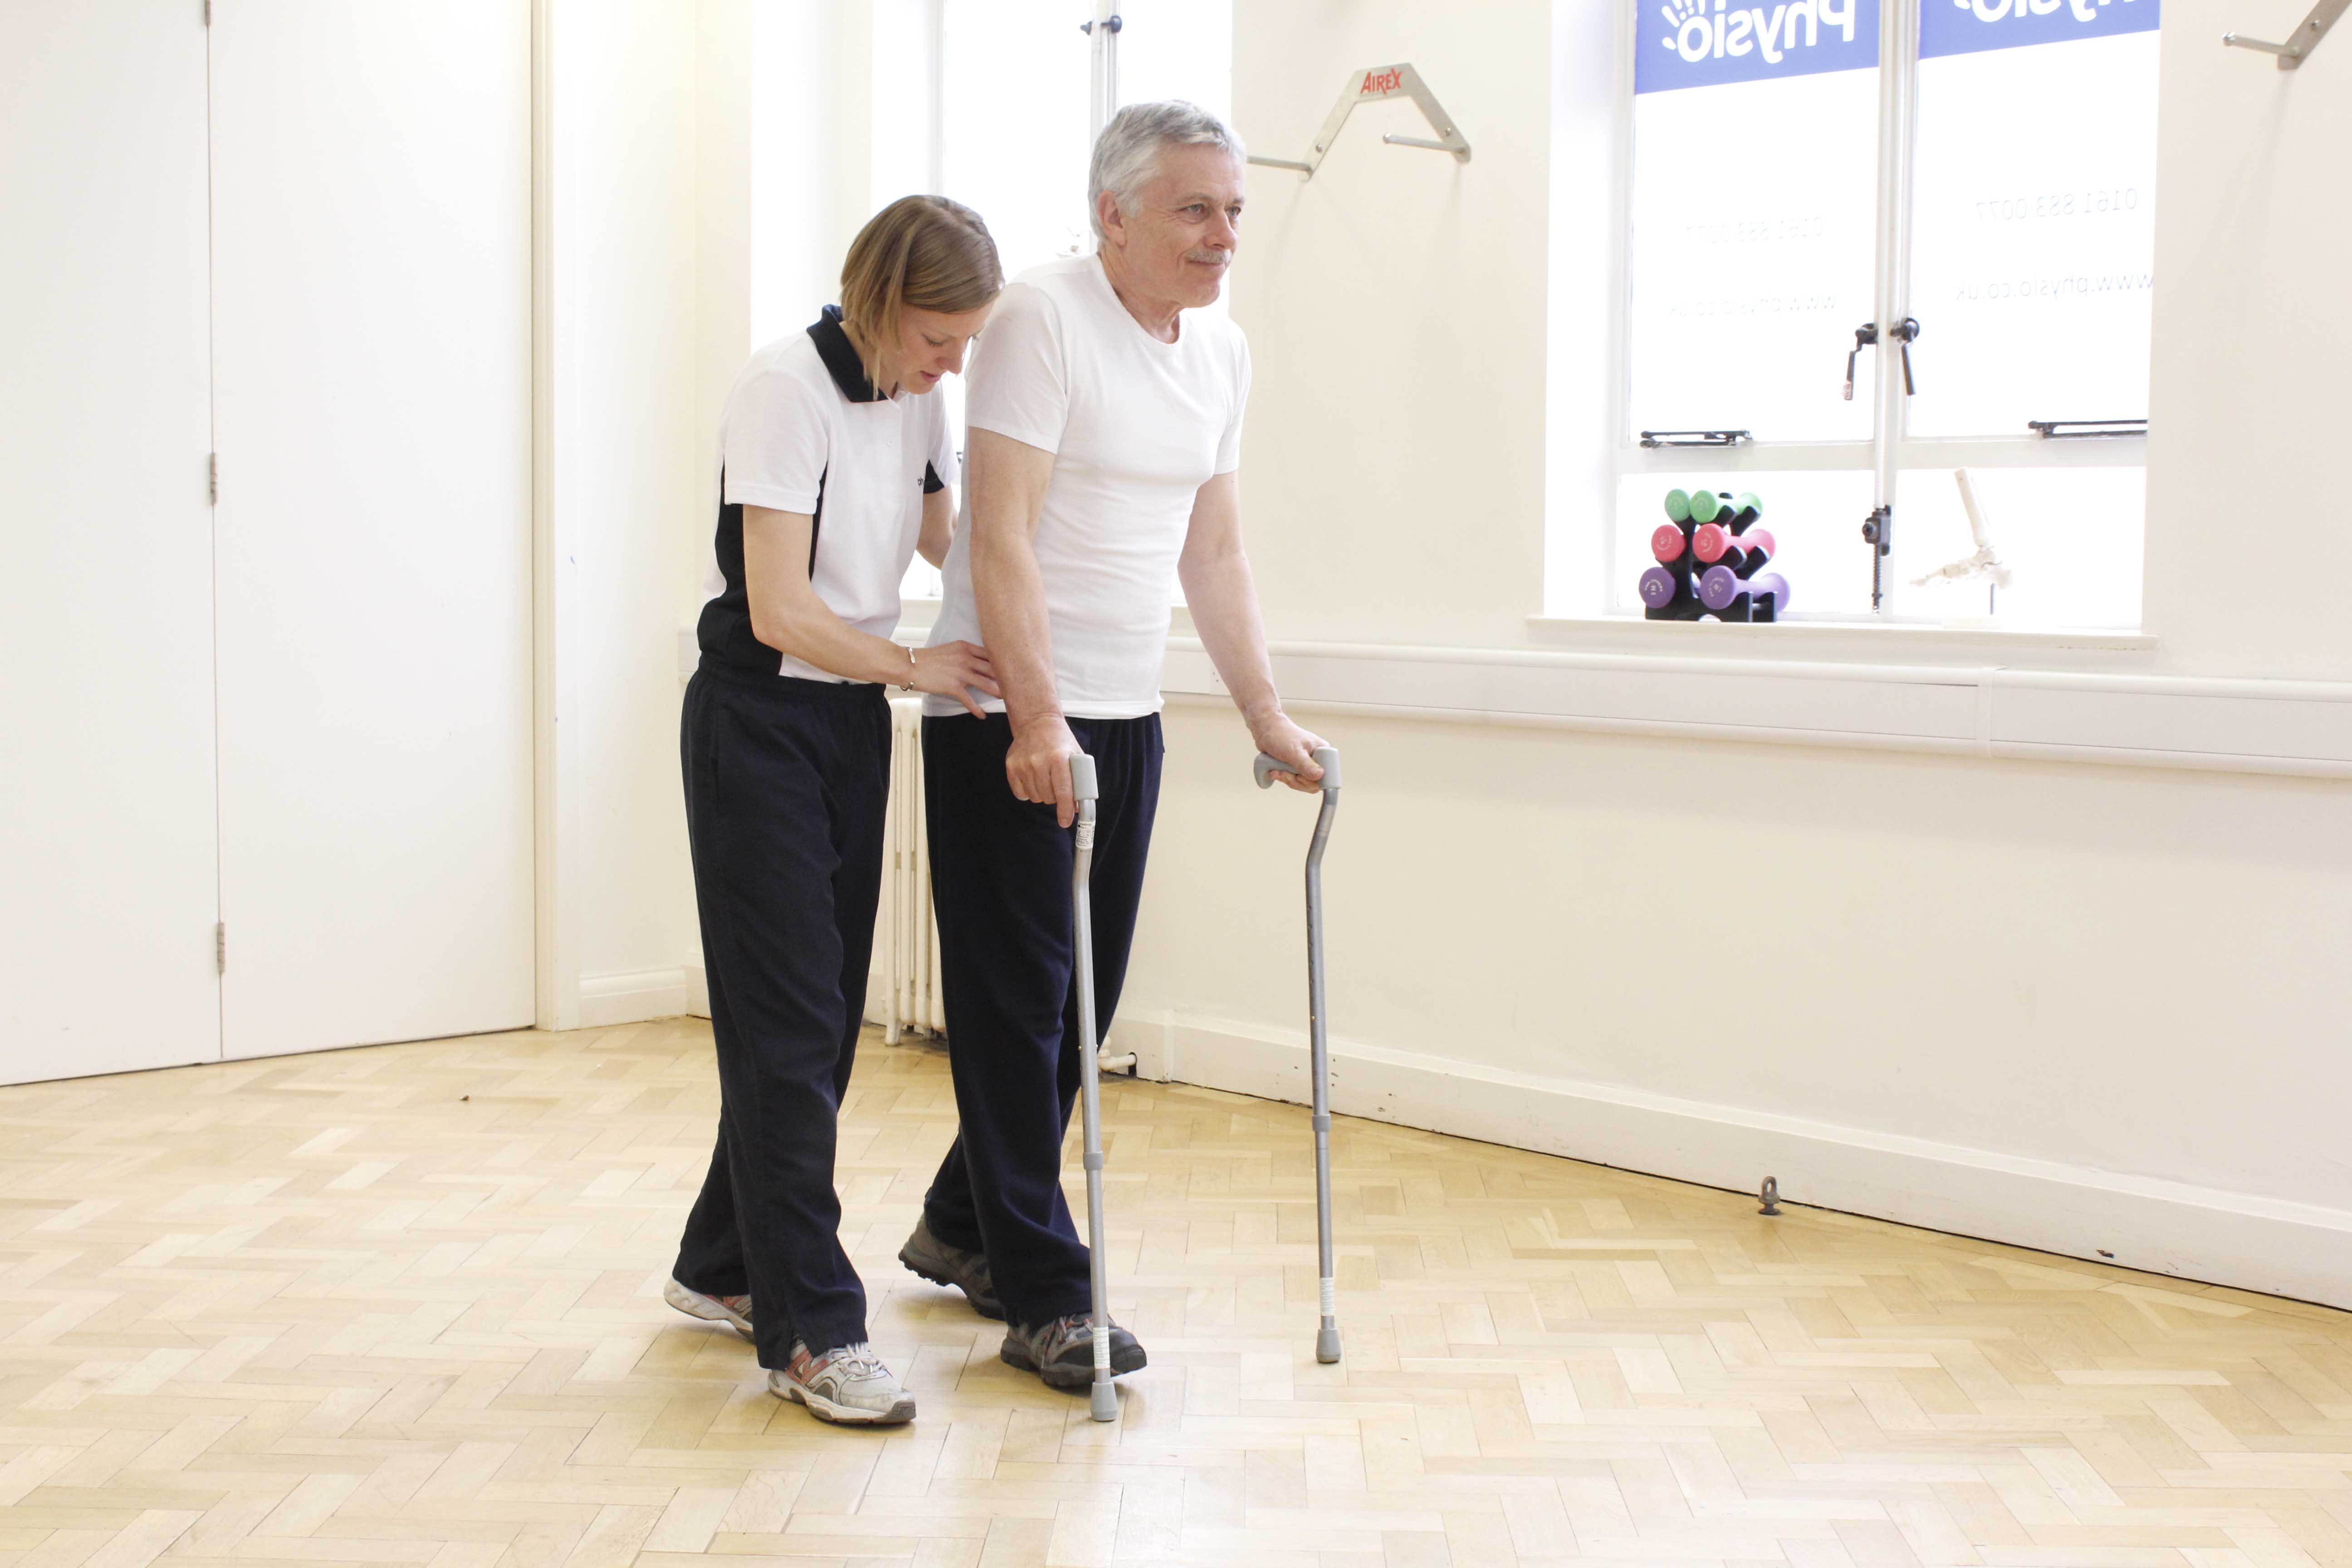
1866 336
1879 532
1694 437
2086 429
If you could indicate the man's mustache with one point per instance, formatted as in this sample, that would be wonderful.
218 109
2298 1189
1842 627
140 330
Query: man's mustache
1215 257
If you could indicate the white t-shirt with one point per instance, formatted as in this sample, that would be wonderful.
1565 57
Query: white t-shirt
804 431
1136 426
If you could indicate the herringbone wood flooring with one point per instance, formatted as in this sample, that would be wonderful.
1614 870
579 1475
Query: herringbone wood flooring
401 1305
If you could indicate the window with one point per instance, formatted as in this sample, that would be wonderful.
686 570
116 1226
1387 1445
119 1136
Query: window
1015 127
1966 183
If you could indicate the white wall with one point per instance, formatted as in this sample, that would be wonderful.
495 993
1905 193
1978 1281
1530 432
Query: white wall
622 490
2248 396
704 168
1395 304
2082 1008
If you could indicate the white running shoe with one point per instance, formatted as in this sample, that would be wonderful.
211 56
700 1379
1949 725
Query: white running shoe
849 1386
734 1310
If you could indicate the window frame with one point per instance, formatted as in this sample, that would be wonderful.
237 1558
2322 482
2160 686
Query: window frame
1890 450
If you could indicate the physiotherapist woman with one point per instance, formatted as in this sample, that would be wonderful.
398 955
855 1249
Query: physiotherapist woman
835 455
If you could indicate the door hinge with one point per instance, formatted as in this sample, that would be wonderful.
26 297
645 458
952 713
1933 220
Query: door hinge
212 477
220 947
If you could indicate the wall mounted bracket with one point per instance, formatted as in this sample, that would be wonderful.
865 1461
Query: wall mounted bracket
2302 41
1370 86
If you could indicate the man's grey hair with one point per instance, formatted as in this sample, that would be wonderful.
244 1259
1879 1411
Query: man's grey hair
1129 148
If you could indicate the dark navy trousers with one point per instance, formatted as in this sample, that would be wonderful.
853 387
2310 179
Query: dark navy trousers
786 783
1001 884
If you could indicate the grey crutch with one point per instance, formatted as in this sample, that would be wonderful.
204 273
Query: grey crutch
1326 1338
1103 1403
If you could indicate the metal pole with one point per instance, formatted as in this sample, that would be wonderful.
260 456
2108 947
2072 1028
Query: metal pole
1103 1400
1327 1336
1892 288
1103 97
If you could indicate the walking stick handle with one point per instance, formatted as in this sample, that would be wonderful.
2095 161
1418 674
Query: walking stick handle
1326 757
1082 777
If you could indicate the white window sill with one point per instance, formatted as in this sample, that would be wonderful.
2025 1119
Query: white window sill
1864 640
1948 704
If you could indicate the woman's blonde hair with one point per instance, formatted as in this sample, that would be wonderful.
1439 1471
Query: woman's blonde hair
927 252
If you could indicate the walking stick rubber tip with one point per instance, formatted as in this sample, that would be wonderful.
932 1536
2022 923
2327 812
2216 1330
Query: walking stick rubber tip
1327 1345
1104 1403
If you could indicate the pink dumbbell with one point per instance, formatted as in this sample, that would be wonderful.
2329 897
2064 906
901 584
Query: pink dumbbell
1713 541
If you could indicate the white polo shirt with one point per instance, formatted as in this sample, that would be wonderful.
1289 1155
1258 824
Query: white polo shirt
804 431
1136 426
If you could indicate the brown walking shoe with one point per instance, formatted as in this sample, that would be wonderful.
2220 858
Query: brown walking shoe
1063 1352
936 1261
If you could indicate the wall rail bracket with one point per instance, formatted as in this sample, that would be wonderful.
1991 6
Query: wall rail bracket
2302 41
1370 86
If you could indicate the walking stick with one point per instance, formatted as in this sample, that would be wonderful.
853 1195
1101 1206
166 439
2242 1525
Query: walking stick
1326 1338
1102 1402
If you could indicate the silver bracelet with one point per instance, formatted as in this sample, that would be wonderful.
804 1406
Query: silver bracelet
909 684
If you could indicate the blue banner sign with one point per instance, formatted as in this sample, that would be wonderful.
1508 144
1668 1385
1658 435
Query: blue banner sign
1704 43
1966 26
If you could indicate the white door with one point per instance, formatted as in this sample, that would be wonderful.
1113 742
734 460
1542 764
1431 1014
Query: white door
371 294
107 893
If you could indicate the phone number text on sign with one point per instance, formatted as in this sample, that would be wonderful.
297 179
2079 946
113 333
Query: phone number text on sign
1752 231
2059 203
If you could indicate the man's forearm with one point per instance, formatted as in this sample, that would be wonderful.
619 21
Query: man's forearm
1009 595
1222 599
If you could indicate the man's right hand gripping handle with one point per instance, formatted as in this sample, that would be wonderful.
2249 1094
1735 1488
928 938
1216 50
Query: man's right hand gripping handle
1038 766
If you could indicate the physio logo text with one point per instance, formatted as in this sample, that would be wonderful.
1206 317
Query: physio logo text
1703 43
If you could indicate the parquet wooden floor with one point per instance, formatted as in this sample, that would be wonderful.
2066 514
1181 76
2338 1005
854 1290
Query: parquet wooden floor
402 1306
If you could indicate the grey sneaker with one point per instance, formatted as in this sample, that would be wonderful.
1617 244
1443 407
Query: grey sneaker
734 1310
936 1261
1063 1352
849 1386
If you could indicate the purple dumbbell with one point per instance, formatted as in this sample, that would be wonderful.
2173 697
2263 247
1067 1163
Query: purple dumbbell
1657 587
1721 584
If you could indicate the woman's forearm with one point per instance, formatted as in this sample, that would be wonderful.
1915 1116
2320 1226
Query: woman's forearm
812 633
787 614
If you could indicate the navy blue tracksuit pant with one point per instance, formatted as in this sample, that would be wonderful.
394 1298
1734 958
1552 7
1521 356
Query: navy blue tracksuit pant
1001 884
786 781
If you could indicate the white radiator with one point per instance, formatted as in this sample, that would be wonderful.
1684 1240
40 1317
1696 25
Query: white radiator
903 994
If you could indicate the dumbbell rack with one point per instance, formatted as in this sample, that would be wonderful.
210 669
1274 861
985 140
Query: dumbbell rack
1686 570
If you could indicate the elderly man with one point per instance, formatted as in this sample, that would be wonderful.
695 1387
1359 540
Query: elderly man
1102 458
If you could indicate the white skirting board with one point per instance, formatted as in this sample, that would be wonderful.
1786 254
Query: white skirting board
2254 1243
606 1000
